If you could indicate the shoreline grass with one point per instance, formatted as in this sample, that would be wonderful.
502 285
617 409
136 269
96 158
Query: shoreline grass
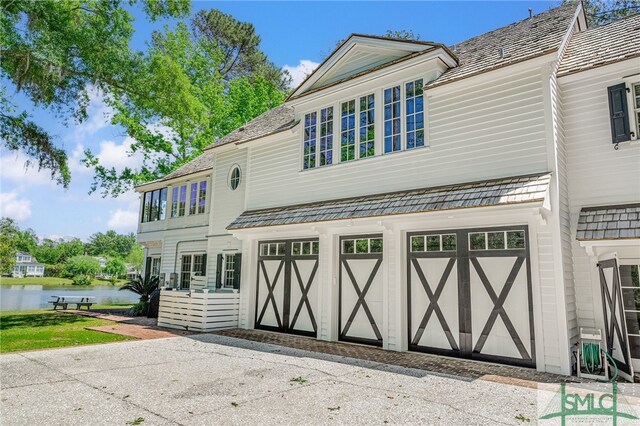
46 329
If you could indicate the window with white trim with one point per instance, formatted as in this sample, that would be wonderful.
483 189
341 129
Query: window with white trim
392 136
367 126
229 270
348 131
326 137
362 246
497 240
179 201
309 145
636 108
414 101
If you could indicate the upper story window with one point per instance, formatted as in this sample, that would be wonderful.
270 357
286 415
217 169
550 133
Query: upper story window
636 107
198 197
310 135
348 131
179 201
367 126
415 114
234 178
326 137
154 205
392 137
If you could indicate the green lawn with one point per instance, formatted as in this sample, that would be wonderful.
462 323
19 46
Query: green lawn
51 281
25 330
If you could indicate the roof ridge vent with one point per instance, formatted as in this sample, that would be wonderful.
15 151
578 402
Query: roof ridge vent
530 12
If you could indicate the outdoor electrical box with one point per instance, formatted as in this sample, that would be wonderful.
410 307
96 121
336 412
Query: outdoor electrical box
173 280
161 280
592 363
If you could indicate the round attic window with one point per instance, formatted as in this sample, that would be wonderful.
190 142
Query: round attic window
234 177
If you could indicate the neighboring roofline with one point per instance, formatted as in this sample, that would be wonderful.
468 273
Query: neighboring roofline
289 126
353 35
385 194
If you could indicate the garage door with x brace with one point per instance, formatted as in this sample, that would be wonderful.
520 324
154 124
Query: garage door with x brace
469 294
360 293
286 291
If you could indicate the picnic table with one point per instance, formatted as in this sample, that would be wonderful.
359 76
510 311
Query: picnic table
65 301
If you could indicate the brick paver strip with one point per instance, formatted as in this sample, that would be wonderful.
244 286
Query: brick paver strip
139 332
433 363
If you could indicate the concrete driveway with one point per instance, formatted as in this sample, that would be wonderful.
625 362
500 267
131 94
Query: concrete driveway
209 379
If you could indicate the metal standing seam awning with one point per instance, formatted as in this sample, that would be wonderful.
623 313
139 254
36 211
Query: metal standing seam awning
494 192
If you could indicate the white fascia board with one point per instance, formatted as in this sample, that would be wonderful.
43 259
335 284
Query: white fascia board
627 68
347 46
510 214
440 58
171 182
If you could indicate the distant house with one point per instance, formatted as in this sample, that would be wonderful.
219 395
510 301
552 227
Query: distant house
27 266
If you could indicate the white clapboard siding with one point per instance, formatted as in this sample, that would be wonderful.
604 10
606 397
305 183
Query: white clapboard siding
597 173
228 204
198 311
475 133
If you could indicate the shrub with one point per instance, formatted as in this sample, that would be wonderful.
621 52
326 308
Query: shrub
82 265
115 267
81 280
54 270
140 309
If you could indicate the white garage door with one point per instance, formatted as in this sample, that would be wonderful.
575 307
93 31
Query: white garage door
469 294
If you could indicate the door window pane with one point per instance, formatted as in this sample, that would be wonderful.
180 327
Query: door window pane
495 240
515 239
449 242
477 241
417 243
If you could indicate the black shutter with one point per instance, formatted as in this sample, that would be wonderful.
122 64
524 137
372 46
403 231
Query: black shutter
236 271
219 271
147 268
203 271
619 112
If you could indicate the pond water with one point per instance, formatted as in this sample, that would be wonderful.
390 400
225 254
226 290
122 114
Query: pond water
25 297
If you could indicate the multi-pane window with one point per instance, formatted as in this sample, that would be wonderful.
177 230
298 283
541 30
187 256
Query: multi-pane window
367 126
414 100
305 248
155 266
348 131
229 270
272 249
392 139
437 242
326 137
636 108
497 240
362 246
202 196
234 178
193 199
179 201
310 136
154 205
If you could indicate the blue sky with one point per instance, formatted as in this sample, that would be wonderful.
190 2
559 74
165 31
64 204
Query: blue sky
295 35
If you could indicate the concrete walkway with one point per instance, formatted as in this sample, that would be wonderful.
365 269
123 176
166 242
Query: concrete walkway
211 379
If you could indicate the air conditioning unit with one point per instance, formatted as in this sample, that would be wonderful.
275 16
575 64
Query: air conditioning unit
173 280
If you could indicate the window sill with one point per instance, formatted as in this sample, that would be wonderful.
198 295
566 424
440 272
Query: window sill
626 145
371 159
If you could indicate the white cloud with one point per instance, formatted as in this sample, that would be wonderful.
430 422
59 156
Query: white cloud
14 207
301 71
119 156
123 220
13 167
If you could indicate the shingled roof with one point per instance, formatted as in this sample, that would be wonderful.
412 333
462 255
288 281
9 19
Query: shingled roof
515 190
609 222
522 40
614 42
275 120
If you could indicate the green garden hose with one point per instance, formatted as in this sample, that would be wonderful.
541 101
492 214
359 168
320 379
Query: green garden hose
592 361
591 357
